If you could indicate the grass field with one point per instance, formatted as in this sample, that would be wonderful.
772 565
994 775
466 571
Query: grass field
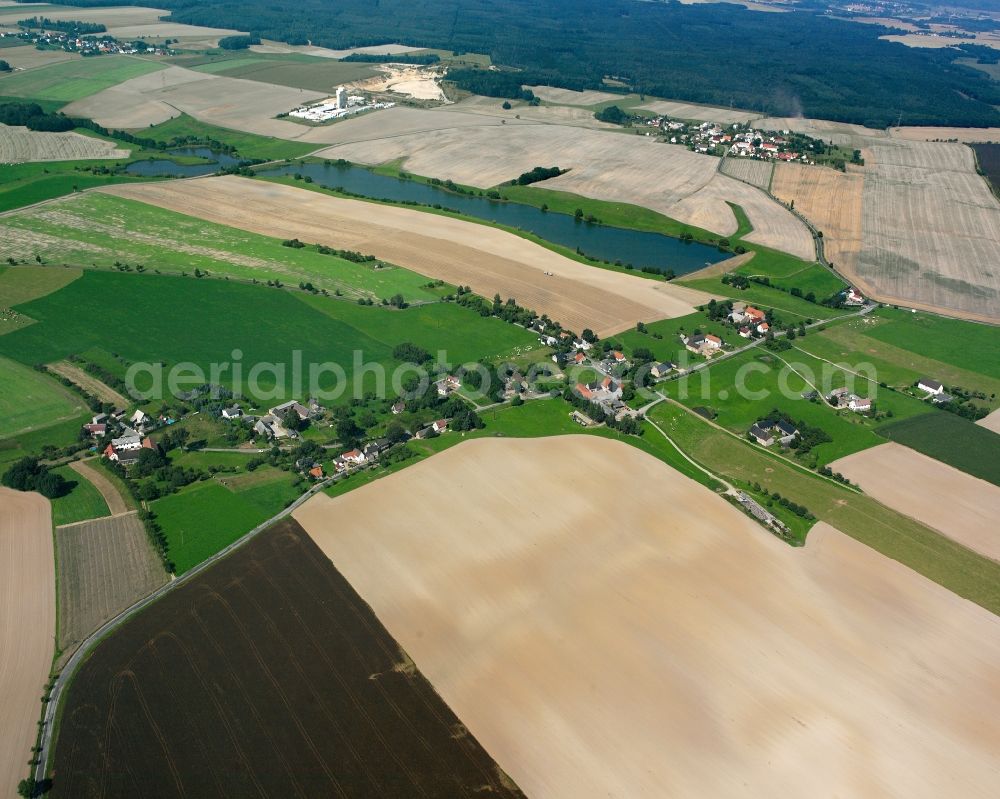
73 80
787 274
958 442
25 283
205 517
893 534
100 230
82 502
745 388
30 400
789 309
941 353
338 708
669 347
207 319
31 442
248 145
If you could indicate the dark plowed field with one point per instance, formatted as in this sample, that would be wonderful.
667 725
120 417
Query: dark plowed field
265 677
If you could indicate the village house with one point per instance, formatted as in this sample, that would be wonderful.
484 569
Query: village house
440 425
447 385
349 459
281 410
853 297
271 427
762 435
766 431
930 386
762 328
745 332
126 450
233 412
316 472
139 420
96 430
581 344
705 344
661 370
859 404
398 408
618 357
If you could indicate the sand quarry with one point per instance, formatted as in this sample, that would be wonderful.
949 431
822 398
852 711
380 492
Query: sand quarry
27 626
597 647
962 507
487 259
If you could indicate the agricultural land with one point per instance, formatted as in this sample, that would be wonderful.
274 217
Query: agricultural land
327 700
27 624
492 622
105 565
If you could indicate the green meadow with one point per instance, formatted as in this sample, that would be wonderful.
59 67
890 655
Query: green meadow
30 400
82 502
73 80
951 439
298 70
99 230
158 318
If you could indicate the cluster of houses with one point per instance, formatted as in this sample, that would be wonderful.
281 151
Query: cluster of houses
131 436
272 424
766 431
606 393
99 44
751 322
843 398
934 390
705 344
736 140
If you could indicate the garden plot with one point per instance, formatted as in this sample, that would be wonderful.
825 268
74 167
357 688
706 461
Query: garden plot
19 145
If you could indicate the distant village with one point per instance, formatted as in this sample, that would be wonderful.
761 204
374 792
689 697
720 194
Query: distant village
86 45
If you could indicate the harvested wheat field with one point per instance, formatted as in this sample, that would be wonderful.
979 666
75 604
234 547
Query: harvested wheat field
991 422
840 133
487 259
937 134
602 165
702 113
831 200
19 145
749 170
930 230
121 15
28 57
227 102
601 649
105 565
88 383
27 626
551 94
524 112
960 506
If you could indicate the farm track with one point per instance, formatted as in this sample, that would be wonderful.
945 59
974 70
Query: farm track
88 383
117 504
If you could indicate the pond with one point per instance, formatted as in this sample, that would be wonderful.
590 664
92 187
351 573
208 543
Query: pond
639 248
162 167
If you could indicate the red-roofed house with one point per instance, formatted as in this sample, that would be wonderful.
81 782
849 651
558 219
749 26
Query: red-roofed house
440 425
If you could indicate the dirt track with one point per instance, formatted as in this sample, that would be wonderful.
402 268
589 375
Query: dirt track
647 639
489 260
27 626
962 507
116 502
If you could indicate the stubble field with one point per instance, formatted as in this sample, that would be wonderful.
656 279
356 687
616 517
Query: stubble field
832 201
707 113
700 656
489 260
930 230
19 145
962 507
105 565
27 626
265 676
750 171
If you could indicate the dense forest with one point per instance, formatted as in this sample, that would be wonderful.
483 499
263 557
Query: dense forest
799 62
